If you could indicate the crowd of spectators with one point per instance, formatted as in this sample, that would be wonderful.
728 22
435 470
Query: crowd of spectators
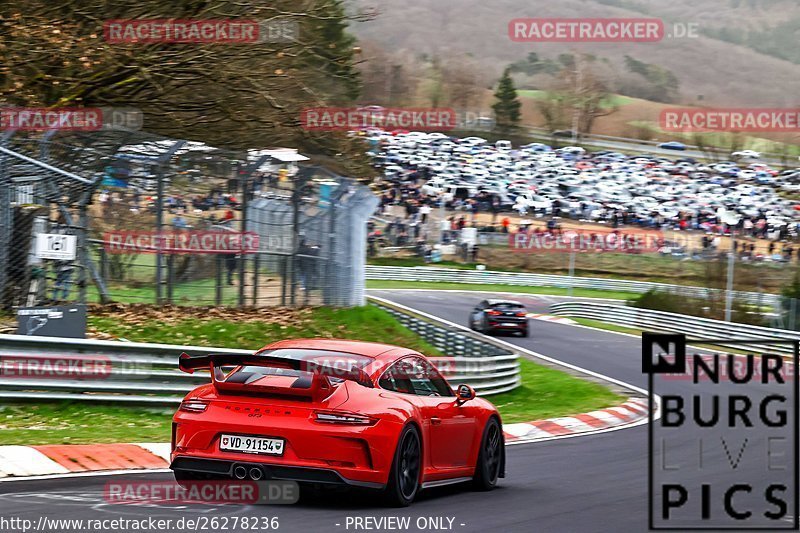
185 211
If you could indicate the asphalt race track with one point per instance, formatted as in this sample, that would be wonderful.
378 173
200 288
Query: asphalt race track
582 484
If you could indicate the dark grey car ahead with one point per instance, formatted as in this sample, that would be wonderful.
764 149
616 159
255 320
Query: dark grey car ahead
492 316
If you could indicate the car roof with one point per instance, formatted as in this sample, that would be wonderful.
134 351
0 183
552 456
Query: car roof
498 302
367 349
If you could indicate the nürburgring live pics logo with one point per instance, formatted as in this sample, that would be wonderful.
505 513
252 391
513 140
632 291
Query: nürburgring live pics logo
723 455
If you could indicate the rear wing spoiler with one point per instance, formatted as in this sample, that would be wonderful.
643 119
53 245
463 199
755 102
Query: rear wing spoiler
214 362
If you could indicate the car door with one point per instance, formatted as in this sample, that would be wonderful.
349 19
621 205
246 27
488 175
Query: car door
476 316
451 427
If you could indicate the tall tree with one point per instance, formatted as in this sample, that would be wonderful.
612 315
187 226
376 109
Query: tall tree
585 93
462 81
555 110
228 95
433 86
332 50
507 105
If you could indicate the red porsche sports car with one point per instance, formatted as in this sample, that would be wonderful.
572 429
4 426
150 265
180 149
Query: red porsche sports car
340 412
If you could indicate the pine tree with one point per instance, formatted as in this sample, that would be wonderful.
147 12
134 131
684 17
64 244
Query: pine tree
507 107
332 52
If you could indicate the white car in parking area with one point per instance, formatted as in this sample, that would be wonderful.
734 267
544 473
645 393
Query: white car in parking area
746 154
531 201
536 147
574 150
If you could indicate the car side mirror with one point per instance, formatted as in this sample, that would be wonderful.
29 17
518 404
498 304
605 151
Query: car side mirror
464 394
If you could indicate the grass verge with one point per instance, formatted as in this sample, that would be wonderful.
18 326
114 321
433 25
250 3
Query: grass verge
546 392
82 423
522 289
367 323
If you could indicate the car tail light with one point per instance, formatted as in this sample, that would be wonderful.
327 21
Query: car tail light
194 406
522 313
493 312
343 417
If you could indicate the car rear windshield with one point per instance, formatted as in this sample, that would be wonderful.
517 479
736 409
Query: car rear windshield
508 306
330 362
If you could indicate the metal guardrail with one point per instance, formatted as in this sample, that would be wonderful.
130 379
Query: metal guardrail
692 326
147 373
651 147
129 372
493 277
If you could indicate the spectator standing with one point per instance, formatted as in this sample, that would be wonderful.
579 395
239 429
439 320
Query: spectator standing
424 211
474 253
231 262
179 222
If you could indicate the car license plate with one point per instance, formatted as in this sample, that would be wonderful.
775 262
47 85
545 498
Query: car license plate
245 444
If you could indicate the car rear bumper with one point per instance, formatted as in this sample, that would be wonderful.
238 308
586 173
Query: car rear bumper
508 324
357 454
301 474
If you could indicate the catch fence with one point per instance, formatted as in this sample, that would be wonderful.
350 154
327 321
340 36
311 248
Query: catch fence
167 221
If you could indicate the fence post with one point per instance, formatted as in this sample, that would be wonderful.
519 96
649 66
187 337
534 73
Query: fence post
284 281
571 272
162 161
329 290
218 290
159 225
170 276
256 267
297 198
103 262
83 250
6 219
242 256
